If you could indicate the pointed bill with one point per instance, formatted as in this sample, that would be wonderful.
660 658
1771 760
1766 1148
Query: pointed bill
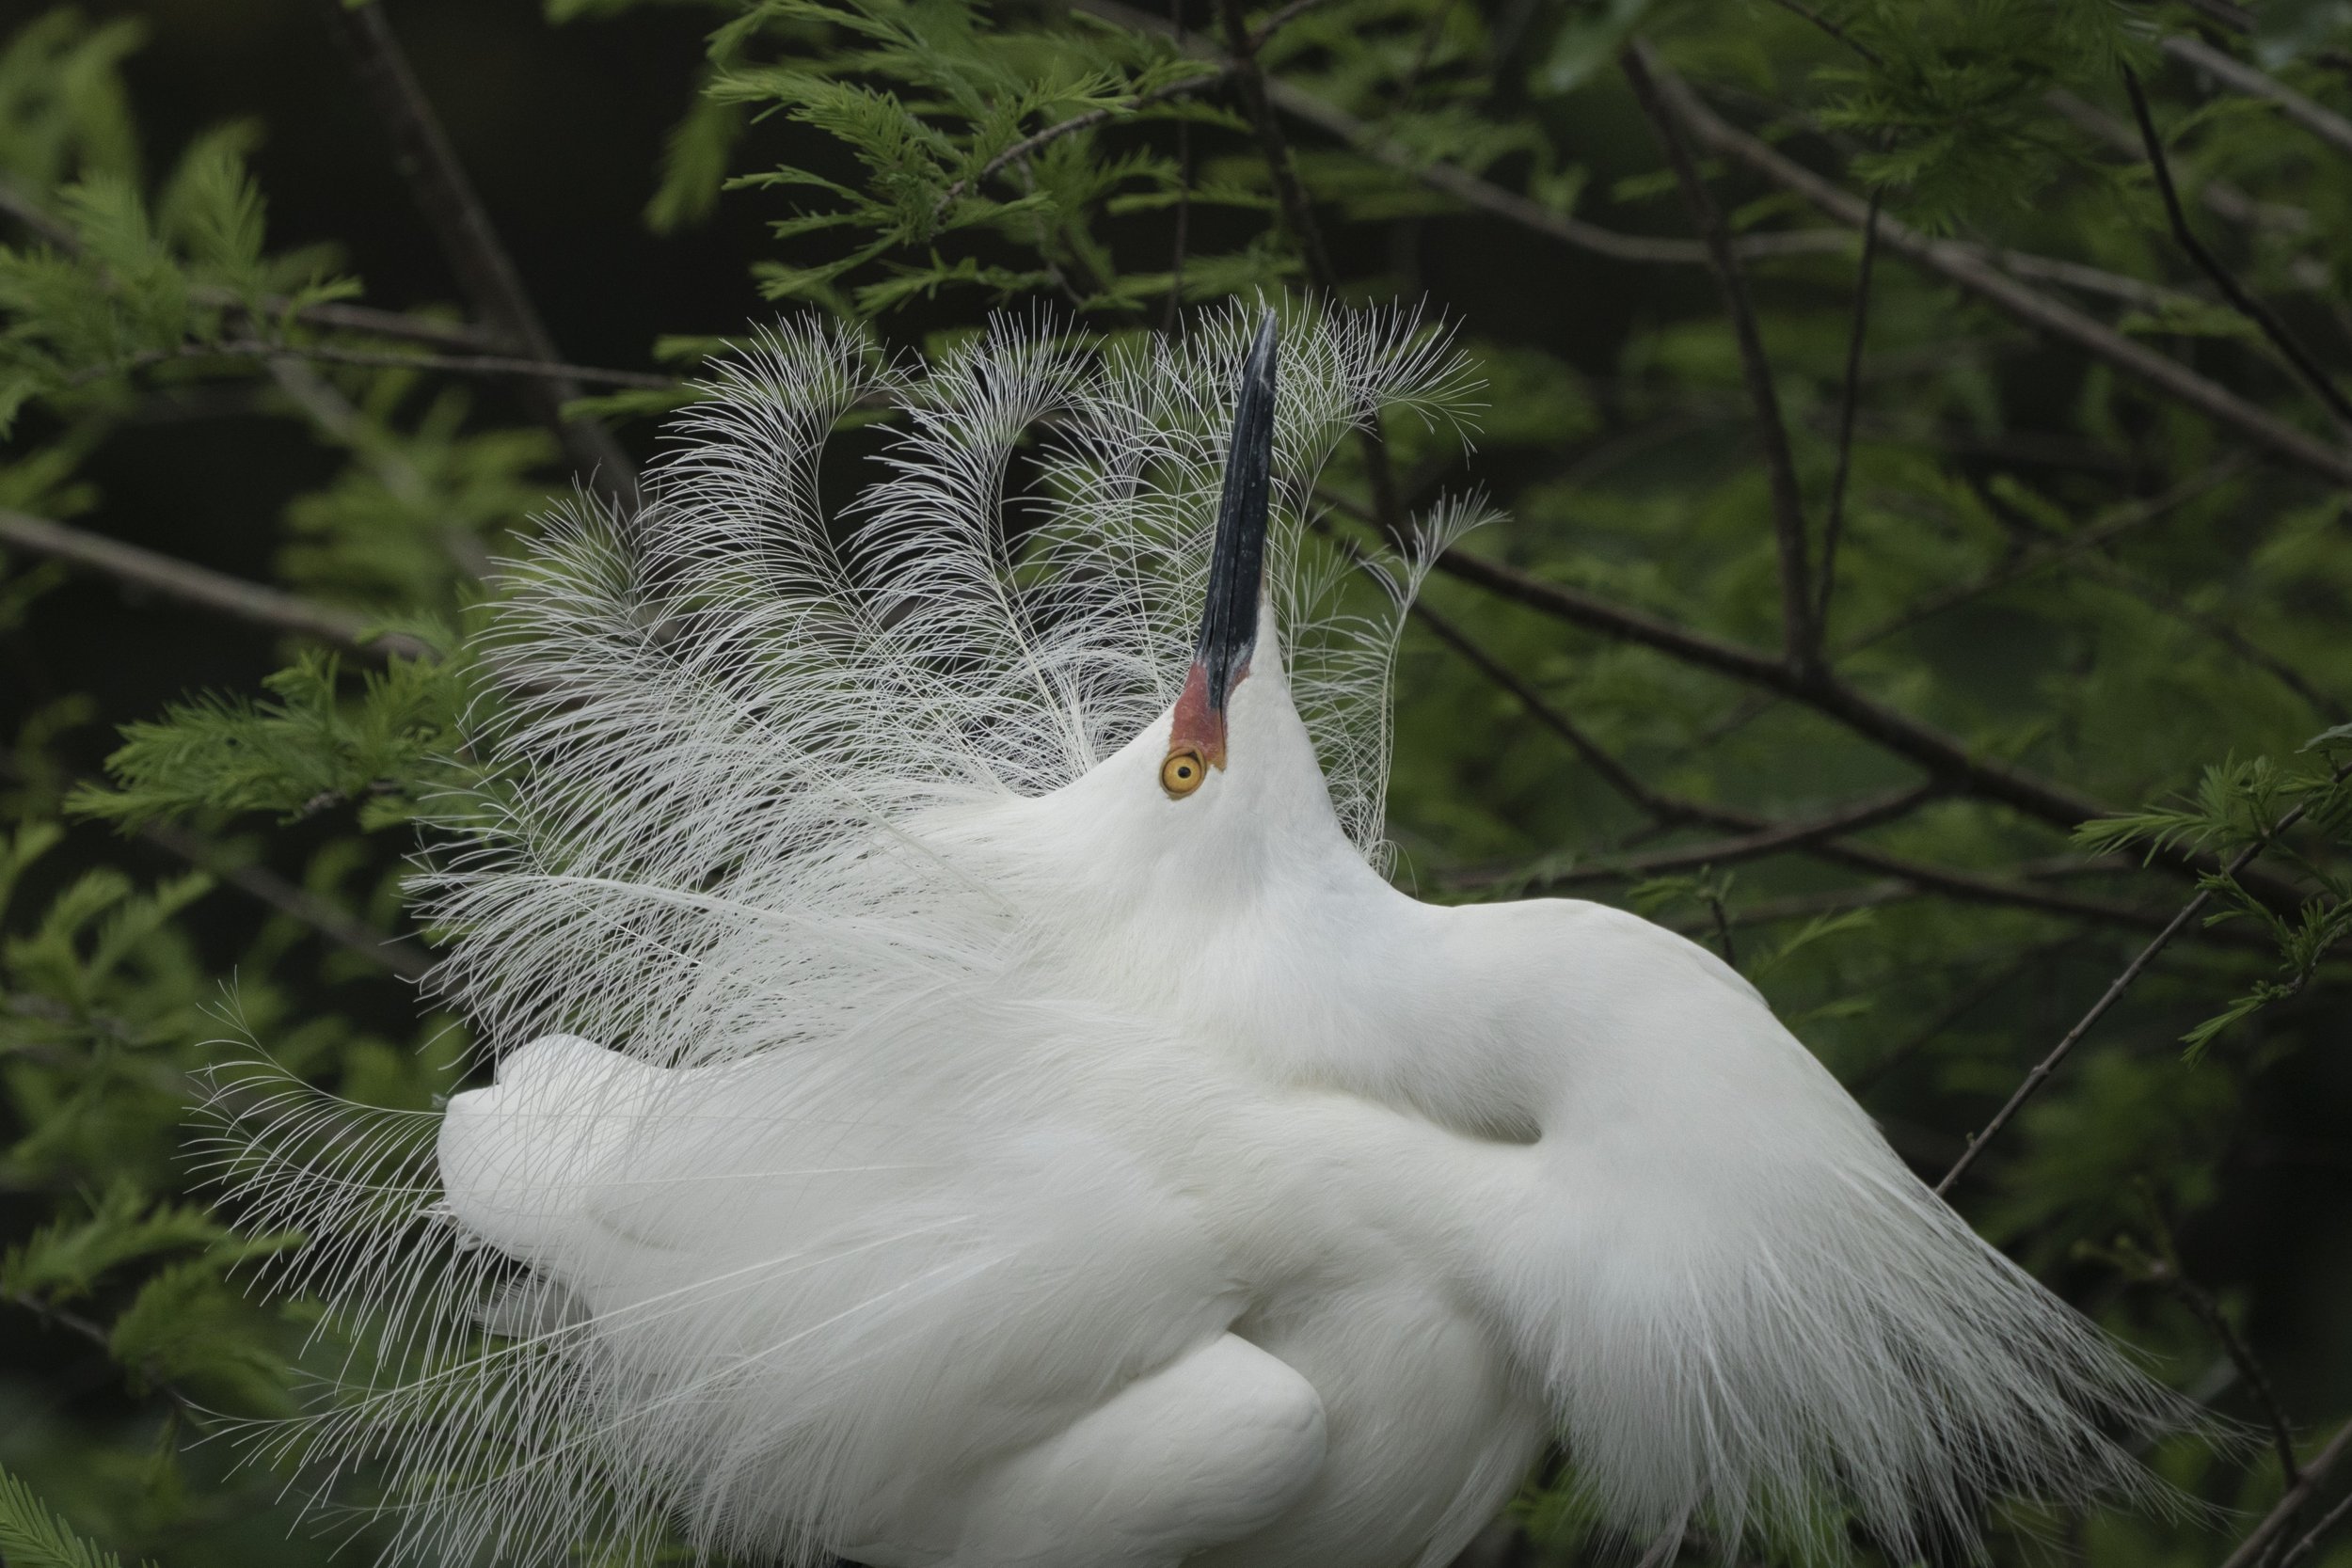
1229 621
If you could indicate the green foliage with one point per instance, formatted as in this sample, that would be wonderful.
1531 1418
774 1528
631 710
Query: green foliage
33 1537
309 749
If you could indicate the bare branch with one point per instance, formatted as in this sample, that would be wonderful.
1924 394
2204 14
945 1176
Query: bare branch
202 587
1289 195
492 285
1669 810
2167 1270
2258 1541
1825 25
1798 643
2137 515
1483 195
330 354
2320 121
1280 20
2306 370
398 954
2312 1537
1659 808
2162 599
1942 754
1850 398
1970 271
337 317
2132 971
1777 838
23 208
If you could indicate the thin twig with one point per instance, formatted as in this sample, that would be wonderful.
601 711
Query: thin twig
1300 218
1723 929
2227 201
2123 982
2312 1537
330 354
1959 767
1183 196
1471 191
1280 20
22 207
1619 778
398 325
2306 370
1959 1007
2137 515
2162 599
1289 195
1059 128
1424 52
1671 810
205 588
1775 838
1849 399
1974 275
334 315
1798 642
486 272
2167 1272
2281 1515
339 420
399 955
1943 755
2320 121
1832 29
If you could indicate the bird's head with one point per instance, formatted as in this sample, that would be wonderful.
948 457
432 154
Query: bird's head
1200 731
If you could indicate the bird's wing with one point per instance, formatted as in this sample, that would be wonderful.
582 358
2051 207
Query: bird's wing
838 1307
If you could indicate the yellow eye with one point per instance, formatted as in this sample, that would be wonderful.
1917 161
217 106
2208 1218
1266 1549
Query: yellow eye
1182 773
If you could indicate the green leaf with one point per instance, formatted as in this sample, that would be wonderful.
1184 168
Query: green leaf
33 1537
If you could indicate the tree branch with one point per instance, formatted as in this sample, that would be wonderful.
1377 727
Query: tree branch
2320 121
1849 399
1280 20
2312 1537
1674 811
2167 1270
462 364
1474 192
1662 809
2137 515
1799 646
485 273
1961 266
398 954
2250 1549
1289 195
2123 982
2306 370
1777 838
204 588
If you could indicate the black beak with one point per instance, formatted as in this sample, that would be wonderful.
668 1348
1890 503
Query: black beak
1229 623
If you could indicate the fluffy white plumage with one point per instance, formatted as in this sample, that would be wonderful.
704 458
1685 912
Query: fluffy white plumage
922 1138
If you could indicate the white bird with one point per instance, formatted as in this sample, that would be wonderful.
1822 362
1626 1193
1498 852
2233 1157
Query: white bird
975 1101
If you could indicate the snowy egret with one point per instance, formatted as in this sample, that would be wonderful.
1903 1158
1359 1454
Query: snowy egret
974 1099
